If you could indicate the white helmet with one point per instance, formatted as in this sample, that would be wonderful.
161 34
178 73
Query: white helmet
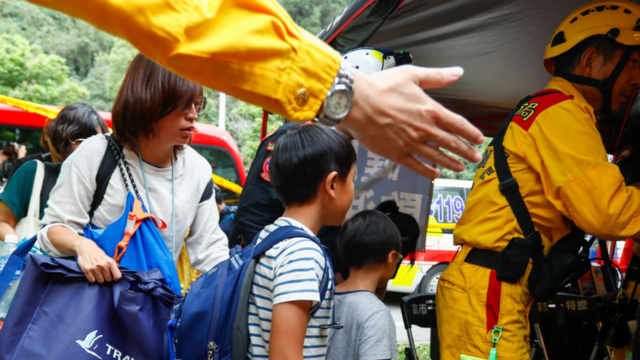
370 60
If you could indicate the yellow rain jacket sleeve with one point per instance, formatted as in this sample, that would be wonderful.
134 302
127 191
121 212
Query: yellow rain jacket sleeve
564 176
249 49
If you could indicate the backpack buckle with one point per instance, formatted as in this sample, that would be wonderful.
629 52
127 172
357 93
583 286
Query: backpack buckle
508 186
335 326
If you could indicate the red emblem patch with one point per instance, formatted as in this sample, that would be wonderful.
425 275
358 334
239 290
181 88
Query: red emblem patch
527 113
265 169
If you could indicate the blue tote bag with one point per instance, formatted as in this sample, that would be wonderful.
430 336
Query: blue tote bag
58 314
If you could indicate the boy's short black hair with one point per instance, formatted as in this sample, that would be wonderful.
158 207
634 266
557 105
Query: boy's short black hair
304 157
367 239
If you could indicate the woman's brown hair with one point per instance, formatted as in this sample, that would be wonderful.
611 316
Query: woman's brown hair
148 93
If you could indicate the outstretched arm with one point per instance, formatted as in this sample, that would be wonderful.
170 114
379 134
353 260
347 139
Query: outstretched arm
252 50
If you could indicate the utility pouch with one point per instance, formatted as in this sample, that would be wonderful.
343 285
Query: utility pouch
567 261
516 259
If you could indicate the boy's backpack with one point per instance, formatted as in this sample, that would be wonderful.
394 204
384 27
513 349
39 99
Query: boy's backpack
211 321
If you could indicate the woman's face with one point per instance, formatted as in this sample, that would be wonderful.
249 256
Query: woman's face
177 127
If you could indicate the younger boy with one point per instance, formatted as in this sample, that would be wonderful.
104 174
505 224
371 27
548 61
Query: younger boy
369 243
312 172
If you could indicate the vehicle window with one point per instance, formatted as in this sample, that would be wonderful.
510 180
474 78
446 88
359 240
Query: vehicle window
447 204
30 137
222 164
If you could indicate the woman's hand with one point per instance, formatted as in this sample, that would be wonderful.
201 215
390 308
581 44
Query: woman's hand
95 263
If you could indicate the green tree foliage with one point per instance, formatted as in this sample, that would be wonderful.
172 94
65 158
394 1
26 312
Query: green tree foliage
314 15
74 40
243 122
105 77
28 73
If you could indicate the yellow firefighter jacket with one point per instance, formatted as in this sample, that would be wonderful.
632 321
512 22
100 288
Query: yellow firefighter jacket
561 166
249 49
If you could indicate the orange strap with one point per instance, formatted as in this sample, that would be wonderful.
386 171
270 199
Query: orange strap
136 216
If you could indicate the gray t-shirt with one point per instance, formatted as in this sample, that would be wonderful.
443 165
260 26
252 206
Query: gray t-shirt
369 330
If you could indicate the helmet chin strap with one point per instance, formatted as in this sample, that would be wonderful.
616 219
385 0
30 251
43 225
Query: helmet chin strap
605 85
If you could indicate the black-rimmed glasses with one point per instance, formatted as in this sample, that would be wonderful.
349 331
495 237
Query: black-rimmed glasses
200 105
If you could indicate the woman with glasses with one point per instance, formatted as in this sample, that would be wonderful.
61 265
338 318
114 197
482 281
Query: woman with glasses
154 118
74 123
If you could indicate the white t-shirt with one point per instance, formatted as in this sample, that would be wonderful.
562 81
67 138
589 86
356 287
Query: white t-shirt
72 196
290 271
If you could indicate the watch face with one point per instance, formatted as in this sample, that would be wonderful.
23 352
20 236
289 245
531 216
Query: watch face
338 103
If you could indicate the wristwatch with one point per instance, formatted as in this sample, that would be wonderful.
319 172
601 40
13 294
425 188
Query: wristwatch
339 100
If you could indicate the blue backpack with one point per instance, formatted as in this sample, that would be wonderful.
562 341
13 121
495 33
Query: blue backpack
211 321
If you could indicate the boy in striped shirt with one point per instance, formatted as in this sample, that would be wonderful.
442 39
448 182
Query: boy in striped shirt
312 170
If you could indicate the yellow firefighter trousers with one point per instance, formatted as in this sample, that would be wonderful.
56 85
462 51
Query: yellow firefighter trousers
470 302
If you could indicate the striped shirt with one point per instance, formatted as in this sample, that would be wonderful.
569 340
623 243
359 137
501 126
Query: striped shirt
290 271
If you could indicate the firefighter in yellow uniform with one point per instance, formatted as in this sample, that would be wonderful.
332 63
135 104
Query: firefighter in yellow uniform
556 154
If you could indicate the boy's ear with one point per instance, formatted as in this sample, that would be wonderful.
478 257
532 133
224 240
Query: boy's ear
330 183
391 258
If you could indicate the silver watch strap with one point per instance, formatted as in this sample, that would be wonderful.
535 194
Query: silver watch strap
345 76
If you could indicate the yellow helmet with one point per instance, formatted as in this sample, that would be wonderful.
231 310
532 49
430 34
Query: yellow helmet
617 19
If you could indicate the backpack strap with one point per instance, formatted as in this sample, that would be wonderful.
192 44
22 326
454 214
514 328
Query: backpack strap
106 169
289 232
207 193
510 264
51 173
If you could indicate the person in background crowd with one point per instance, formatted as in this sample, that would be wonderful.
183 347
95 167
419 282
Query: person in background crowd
43 156
11 152
153 119
74 123
227 213
369 244
406 224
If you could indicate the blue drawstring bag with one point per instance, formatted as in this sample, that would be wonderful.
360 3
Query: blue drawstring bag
146 249
134 239
58 314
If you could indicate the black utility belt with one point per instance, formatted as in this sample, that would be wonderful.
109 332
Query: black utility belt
566 262
511 263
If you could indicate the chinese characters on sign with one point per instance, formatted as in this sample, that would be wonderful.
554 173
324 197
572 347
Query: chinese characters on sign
379 180
579 305
419 309
570 305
